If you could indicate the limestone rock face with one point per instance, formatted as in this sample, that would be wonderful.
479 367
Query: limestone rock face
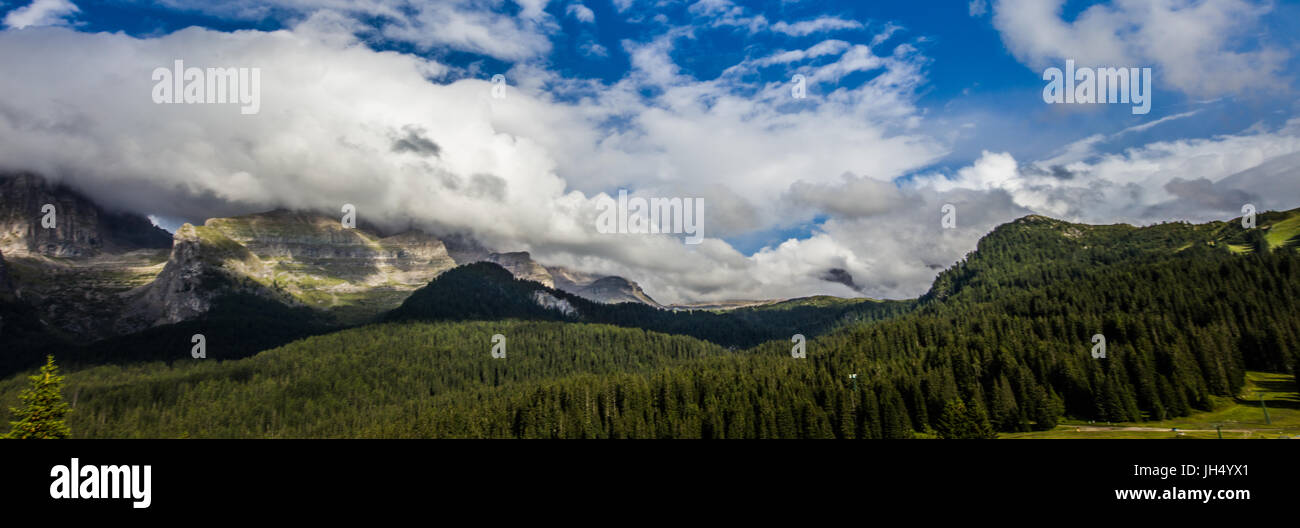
599 288
196 272
73 275
522 266
605 289
97 274
551 302
81 228
293 257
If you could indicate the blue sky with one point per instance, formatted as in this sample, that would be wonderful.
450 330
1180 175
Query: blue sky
911 105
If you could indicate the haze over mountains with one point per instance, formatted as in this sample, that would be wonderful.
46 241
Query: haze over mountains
98 274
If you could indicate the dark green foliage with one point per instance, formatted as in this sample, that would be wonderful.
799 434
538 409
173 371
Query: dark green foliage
43 410
24 340
961 421
237 326
481 291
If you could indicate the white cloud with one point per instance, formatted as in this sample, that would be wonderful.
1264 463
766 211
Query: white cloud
465 25
724 13
978 8
1139 185
41 13
715 8
519 173
580 12
522 173
854 197
821 49
1204 48
1086 148
816 25
593 49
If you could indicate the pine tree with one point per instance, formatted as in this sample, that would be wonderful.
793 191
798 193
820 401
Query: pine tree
980 418
43 407
962 421
952 421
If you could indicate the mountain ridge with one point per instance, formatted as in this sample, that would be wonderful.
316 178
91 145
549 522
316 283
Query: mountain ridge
98 274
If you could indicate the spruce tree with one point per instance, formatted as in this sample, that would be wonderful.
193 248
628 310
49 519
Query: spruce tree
962 421
953 420
43 408
979 418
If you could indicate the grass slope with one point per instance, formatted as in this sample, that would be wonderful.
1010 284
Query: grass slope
1240 417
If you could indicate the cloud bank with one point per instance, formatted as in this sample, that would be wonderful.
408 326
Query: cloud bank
414 141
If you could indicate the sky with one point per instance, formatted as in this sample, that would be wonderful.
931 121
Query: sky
907 107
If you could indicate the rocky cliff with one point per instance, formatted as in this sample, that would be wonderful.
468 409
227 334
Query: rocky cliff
80 227
74 274
522 266
599 288
309 259
605 289
96 274
293 257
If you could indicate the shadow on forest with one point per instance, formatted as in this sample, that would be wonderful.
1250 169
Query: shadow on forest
1290 401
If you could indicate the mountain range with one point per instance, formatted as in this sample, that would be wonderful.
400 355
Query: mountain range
98 274
1005 340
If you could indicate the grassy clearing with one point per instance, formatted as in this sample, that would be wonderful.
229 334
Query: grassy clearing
1282 231
1240 417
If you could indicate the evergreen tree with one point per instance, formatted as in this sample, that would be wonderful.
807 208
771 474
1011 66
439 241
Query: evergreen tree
43 407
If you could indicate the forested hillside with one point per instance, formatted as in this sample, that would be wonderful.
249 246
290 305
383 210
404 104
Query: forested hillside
379 380
486 291
1002 342
237 326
